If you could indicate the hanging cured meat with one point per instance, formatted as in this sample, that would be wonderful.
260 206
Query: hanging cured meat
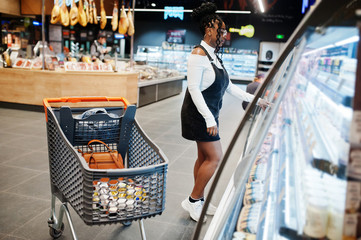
73 14
64 15
131 29
115 16
91 18
123 22
95 15
82 15
55 13
103 15
86 7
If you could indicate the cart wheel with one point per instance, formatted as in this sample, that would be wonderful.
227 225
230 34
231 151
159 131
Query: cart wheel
127 223
56 233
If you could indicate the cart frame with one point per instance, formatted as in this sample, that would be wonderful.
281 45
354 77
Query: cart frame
73 182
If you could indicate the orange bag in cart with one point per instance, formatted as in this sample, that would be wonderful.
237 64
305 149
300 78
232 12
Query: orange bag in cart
110 159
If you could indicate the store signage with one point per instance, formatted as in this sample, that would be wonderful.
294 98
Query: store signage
280 36
36 23
173 12
176 36
118 36
247 31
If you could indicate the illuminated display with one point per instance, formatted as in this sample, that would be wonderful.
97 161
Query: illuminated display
247 31
174 12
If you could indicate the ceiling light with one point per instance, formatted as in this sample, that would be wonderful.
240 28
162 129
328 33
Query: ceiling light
318 49
348 40
261 6
153 5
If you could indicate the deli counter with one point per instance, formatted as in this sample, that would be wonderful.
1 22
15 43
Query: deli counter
31 86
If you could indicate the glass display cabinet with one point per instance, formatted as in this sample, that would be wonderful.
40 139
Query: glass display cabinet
299 173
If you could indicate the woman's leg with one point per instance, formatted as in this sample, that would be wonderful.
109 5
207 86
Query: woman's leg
209 155
198 163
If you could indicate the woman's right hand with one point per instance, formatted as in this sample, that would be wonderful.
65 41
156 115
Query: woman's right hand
263 103
212 131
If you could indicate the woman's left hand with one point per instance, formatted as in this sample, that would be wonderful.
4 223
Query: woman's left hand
212 131
263 103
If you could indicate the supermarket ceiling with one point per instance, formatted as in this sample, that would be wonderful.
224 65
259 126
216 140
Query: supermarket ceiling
271 6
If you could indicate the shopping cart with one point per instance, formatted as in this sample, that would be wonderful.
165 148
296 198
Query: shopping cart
102 196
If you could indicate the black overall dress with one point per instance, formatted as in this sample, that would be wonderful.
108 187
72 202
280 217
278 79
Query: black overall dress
193 124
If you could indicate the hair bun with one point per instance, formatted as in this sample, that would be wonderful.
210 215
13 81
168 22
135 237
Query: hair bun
205 9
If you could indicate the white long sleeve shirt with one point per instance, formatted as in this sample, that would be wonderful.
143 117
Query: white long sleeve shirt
201 75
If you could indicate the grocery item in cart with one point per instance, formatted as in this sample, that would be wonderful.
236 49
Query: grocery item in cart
110 159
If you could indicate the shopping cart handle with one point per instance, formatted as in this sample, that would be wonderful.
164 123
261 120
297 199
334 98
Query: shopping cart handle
46 101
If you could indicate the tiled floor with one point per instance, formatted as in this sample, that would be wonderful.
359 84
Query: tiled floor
24 179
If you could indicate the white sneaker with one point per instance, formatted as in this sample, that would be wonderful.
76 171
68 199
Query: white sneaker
194 209
211 210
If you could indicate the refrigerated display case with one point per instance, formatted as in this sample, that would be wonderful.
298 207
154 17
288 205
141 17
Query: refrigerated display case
298 176
240 64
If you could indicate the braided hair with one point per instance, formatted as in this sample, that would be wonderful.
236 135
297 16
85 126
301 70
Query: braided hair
206 16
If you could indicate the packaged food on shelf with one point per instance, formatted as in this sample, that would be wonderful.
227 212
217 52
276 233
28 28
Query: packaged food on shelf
248 219
19 63
37 63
